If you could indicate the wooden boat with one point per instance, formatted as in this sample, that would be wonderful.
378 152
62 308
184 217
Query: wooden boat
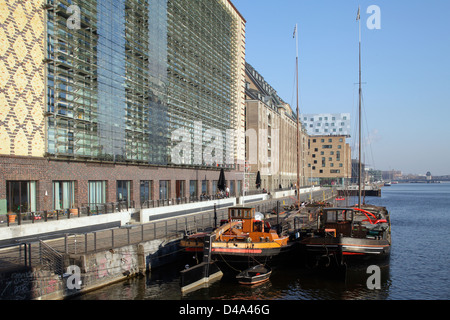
351 234
244 237
241 238
254 275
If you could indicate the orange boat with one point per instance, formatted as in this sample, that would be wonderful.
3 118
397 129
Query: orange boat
243 237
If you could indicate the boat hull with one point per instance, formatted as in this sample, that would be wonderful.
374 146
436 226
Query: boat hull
348 248
234 259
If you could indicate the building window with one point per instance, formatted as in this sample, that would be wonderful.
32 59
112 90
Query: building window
124 191
232 190
180 189
164 188
21 196
97 192
193 188
204 187
146 191
63 195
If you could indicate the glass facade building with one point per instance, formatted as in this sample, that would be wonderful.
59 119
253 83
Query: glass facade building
123 75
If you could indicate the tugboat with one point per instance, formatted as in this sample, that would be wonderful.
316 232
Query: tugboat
242 239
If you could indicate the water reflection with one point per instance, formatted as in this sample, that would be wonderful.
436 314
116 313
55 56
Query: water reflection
286 283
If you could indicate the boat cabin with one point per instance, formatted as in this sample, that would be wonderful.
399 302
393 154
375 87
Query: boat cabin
249 227
337 221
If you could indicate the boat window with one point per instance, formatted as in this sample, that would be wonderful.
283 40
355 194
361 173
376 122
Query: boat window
331 216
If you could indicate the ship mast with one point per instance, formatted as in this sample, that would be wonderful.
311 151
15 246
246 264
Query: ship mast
298 121
358 18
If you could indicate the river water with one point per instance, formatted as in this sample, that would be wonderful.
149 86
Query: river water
418 269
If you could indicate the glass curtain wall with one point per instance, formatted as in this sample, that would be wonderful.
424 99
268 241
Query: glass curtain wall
134 71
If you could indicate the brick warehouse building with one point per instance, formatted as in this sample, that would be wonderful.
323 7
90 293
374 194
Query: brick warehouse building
97 97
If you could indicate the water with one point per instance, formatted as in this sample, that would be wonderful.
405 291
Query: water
418 269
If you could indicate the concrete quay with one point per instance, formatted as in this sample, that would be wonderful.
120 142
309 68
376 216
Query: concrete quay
77 263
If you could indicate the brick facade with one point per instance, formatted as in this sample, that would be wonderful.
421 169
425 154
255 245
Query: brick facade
45 171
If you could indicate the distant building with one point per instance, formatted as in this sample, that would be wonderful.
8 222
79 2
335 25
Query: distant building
271 129
327 124
329 160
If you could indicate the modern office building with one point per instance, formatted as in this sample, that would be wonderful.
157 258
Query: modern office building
271 128
106 100
330 160
327 124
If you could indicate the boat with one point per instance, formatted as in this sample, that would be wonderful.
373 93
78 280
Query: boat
244 237
356 234
254 275
348 235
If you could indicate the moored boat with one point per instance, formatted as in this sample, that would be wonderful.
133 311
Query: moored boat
351 235
244 237
254 275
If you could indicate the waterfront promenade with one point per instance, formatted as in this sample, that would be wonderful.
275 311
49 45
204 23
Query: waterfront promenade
130 249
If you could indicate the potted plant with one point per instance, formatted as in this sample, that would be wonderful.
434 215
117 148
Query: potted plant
11 217
73 210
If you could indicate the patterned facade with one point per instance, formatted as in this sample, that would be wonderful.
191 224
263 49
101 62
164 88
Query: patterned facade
94 94
22 91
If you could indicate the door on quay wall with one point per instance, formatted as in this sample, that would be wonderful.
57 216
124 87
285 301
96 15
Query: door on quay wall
21 196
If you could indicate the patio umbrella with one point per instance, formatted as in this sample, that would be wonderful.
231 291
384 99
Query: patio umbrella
221 181
258 180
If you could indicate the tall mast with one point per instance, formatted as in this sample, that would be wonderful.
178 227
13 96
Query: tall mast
298 120
360 94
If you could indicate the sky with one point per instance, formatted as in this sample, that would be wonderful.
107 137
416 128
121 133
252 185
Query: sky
405 71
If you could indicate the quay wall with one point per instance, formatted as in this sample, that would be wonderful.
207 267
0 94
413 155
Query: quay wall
87 272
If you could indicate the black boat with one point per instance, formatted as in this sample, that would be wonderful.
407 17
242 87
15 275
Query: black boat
351 234
254 275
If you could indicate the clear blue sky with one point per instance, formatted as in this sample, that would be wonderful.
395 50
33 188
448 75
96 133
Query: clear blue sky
406 70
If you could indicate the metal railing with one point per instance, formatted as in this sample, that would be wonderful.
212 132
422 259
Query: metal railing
50 259
77 212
